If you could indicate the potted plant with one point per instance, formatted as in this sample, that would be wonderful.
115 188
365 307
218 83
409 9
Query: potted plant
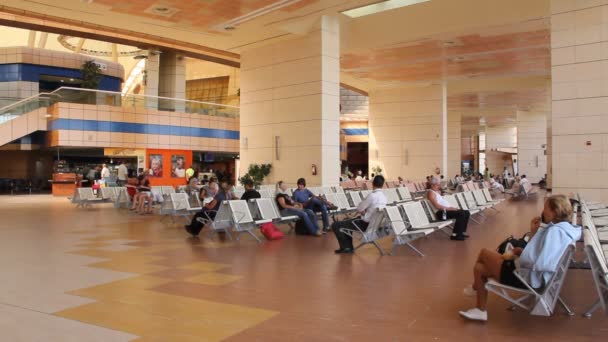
377 170
91 77
256 173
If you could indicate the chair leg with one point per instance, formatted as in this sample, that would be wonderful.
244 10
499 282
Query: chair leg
474 220
592 309
414 249
563 304
378 247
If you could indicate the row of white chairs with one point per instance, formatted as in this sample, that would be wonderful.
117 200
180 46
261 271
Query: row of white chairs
594 219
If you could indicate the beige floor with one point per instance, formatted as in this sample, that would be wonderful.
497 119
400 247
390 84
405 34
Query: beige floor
104 274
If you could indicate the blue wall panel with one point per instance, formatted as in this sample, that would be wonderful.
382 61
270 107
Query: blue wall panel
130 127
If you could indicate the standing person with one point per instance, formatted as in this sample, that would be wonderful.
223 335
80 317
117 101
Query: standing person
505 174
289 207
359 176
91 175
311 201
123 172
376 199
105 172
486 174
250 192
442 205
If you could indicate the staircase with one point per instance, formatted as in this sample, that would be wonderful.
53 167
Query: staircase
24 117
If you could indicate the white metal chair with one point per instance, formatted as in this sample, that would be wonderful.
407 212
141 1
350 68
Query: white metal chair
599 269
542 301
84 197
375 231
417 217
404 193
243 220
403 236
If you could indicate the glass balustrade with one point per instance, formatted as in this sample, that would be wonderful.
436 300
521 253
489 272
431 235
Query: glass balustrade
108 98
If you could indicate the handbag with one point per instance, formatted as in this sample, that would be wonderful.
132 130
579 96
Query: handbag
521 243
271 232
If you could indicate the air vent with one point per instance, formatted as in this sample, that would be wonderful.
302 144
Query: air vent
162 10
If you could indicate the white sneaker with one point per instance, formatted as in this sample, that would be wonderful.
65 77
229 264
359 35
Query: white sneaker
475 314
469 291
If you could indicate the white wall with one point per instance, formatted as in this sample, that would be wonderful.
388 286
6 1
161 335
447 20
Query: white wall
531 137
579 98
405 126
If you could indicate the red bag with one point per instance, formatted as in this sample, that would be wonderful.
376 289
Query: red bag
271 232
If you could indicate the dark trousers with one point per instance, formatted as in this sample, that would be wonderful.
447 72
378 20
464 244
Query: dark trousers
317 206
195 224
461 217
344 240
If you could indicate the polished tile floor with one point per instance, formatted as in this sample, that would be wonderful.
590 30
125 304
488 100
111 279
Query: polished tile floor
104 274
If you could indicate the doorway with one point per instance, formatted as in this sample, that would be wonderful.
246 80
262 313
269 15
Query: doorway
357 157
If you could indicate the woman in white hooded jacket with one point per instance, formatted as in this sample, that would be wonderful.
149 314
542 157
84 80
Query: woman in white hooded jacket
550 236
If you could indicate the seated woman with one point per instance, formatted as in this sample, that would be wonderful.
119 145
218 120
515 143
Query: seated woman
143 197
289 207
550 234
461 216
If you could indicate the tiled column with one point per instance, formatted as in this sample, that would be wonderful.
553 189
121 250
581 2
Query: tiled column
151 84
172 81
405 131
454 145
579 38
290 98
531 144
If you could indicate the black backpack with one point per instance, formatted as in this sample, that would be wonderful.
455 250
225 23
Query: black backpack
521 243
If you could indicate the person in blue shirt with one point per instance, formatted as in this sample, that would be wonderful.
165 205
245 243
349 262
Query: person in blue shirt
551 234
311 201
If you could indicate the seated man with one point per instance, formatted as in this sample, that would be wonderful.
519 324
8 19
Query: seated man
494 185
311 201
289 207
250 192
376 199
551 234
461 216
208 210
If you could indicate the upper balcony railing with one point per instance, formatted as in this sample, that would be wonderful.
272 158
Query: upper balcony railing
111 98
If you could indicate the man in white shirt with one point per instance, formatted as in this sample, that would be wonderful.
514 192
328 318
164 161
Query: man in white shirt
122 174
359 176
105 172
367 208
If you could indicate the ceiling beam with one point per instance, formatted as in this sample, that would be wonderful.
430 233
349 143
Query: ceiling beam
35 21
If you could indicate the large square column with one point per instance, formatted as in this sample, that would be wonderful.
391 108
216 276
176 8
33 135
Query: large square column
579 125
406 131
290 103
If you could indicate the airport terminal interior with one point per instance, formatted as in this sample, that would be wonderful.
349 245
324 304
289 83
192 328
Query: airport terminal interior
304 170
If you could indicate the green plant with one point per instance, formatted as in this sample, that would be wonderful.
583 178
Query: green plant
256 173
91 75
377 170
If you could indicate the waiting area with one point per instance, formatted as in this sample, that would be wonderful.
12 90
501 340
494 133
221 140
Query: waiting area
126 276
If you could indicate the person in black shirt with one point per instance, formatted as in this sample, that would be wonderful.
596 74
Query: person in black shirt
250 192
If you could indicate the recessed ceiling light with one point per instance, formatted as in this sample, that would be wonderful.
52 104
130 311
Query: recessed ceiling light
62 81
380 7
71 80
